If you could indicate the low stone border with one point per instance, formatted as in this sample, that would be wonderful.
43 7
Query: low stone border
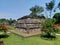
24 35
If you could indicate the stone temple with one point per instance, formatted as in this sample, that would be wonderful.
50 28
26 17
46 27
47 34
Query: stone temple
30 23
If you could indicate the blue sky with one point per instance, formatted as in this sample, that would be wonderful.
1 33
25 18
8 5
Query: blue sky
17 8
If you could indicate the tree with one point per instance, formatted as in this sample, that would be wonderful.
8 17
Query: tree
58 5
50 6
10 21
48 28
3 21
35 10
57 17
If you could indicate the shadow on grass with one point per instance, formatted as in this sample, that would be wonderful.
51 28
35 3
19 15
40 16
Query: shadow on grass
4 36
48 37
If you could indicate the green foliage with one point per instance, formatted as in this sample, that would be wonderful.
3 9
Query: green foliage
7 21
3 28
48 36
10 21
57 17
50 6
2 21
11 27
3 36
49 28
59 5
36 9
34 40
48 23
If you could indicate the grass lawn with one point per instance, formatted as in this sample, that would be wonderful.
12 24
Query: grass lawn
11 27
35 40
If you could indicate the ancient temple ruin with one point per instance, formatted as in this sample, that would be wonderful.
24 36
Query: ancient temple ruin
30 23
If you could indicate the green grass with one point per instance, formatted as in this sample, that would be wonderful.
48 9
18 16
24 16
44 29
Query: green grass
11 27
35 40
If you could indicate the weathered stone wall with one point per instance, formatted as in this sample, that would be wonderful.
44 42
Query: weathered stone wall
29 21
29 24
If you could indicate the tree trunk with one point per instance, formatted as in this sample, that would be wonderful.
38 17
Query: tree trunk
50 13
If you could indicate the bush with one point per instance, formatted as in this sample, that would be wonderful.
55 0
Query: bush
49 29
3 28
4 36
48 36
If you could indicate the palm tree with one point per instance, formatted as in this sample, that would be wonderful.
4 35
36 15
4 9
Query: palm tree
36 10
50 6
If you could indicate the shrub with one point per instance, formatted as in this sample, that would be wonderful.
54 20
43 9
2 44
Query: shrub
48 36
4 36
3 28
49 29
